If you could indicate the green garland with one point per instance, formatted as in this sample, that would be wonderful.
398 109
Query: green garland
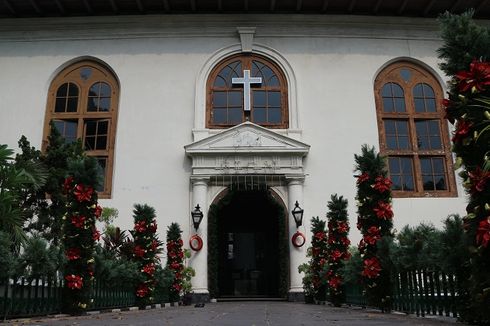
375 221
146 247
338 247
175 261
79 234
318 258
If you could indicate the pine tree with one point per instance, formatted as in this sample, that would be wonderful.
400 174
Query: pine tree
466 52
375 221
338 247
146 247
319 258
175 260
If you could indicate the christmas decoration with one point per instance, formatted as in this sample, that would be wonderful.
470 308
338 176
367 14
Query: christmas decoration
195 242
145 252
319 257
375 217
468 107
175 260
337 248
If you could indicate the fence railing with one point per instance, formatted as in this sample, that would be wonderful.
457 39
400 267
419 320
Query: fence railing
425 292
417 292
24 297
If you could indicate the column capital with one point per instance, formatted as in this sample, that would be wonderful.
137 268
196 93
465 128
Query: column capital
200 180
295 179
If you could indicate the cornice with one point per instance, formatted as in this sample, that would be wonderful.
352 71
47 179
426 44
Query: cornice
178 26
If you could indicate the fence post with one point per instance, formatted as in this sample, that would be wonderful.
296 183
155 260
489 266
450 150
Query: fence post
440 302
453 296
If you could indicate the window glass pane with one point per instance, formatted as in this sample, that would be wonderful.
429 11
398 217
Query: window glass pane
105 90
397 90
102 161
426 166
440 182
101 142
397 182
428 182
62 90
89 143
408 182
438 165
274 115
274 99
405 74
72 90
235 115
104 104
389 126
391 142
90 128
396 133
91 104
259 115
430 105
219 82
259 98
435 142
388 105
417 91
273 82
72 104
394 165
400 104
428 134
424 98
267 73
433 173
406 165
235 99
102 127
219 99
71 131
419 105
219 116
402 127
403 142
400 169
428 91
60 105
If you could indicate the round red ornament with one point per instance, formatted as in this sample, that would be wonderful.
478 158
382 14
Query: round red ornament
298 239
195 242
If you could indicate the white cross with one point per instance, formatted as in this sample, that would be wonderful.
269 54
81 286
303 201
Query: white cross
246 81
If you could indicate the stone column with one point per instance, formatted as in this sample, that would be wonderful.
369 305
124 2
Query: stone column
297 256
199 260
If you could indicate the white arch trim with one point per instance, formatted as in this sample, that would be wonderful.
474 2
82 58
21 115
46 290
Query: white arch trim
199 131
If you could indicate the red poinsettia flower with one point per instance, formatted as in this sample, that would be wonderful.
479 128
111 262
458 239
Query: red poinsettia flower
383 210
336 255
153 227
142 290
373 235
98 211
476 79
483 232
83 193
140 226
320 235
463 128
372 268
180 242
154 245
74 281
139 251
345 241
67 184
447 104
362 178
175 266
335 281
78 220
95 234
322 262
382 184
73 253
342 227
331 239
149 269
177 287
478 179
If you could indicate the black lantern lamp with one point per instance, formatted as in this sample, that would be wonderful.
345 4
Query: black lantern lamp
297 214
197 216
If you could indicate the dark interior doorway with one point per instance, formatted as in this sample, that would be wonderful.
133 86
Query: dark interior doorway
248 232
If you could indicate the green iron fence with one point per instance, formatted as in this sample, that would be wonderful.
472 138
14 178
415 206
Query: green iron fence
425 292
354 295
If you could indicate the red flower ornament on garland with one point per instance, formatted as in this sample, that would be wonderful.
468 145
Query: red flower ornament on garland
139 251
68 184
74 282
476 79
78 221
149 269
478 180
383 210
382 184
142 290
98 211
362 178
483 233
335 281
140 226
463 128
83 193
372 268
372 236
73 253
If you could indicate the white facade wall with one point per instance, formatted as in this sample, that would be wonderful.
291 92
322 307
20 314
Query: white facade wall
158 59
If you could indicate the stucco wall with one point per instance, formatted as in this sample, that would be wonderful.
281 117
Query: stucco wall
157 60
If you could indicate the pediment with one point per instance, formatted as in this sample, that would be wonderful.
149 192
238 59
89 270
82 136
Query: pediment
247 138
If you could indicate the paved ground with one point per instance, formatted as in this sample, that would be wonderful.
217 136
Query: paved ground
242 314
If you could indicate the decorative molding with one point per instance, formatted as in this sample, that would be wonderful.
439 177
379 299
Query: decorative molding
246 38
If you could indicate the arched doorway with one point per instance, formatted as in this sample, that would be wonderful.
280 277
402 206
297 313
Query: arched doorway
248 249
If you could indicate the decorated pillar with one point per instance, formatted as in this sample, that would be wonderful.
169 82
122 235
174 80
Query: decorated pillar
199 259
297 254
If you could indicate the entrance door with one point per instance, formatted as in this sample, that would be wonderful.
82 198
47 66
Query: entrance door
248 250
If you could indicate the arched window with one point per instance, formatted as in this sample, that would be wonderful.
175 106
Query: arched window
82 103
412 131
228 93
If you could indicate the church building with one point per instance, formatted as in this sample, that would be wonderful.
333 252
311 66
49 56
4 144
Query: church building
240 111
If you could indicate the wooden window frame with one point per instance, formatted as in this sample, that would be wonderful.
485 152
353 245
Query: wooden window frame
419 75
99 73
246 60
